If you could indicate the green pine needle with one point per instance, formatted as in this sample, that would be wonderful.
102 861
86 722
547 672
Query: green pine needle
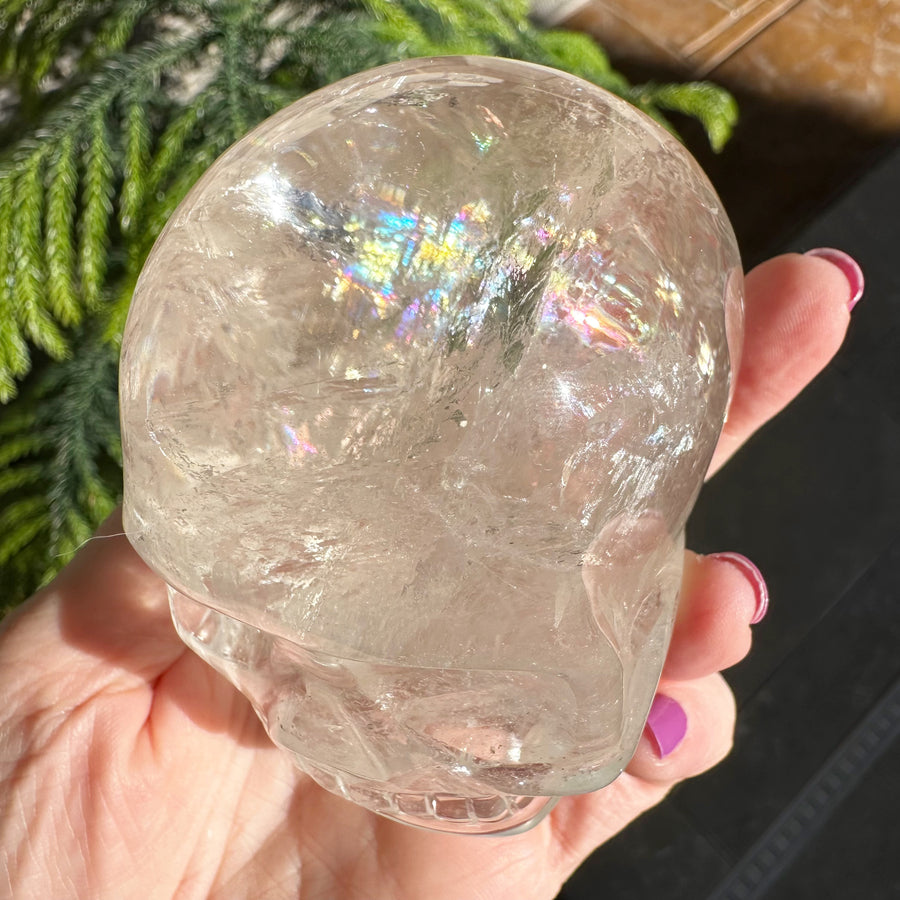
172 141
20 523
19 446
28 267
20 477
711 105
115 31
136 158
60 459
62 299
97 206
14 356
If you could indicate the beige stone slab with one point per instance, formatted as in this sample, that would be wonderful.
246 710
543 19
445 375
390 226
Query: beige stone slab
843 55
831 54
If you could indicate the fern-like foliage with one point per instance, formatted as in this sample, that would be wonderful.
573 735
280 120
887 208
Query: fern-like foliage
115 108
60 460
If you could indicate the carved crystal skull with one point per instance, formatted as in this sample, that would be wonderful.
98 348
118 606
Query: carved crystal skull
418 387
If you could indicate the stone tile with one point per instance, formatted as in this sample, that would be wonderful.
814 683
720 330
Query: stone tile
840 55
837 55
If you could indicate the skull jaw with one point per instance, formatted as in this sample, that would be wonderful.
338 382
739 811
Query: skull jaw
471 813
463 781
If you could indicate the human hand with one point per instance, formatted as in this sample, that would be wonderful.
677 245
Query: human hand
128 767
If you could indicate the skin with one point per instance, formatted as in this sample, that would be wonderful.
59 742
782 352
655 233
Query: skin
129 768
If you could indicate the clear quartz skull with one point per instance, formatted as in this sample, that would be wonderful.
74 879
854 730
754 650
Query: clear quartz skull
418 387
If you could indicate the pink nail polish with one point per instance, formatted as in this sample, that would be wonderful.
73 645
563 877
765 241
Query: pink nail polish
848 265
754 576
667 724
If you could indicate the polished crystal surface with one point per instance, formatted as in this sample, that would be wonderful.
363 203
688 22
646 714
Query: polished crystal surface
418 388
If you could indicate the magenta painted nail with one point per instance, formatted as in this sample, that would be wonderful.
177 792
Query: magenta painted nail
755 577
848 265
667 724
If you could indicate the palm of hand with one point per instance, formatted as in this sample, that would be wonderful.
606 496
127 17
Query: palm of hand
130 768
155 771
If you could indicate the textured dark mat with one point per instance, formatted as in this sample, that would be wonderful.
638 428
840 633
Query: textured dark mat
805 807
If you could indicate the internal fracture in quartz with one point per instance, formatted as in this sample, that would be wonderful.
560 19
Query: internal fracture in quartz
418 388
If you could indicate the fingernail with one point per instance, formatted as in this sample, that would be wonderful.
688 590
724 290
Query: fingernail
756 579
667 724
848 265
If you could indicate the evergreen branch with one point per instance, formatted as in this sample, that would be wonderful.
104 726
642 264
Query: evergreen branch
234 70
20 477
77 531
10 11
11 368
395 27
116 30
137 152
10 26
29 268
60 249
13 349
13 422
22 276
711 105
218 137
59 463
117 309
38 46
47 283
20 523
37 34
171 143
269 98
18 447
578 54
77 492
97 192
116 77
192 168
326 51
498 22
